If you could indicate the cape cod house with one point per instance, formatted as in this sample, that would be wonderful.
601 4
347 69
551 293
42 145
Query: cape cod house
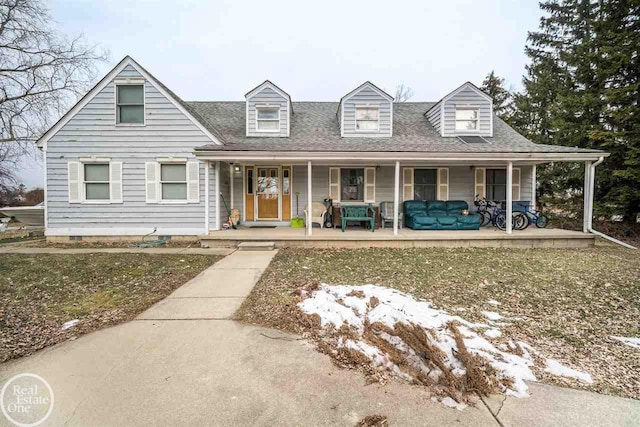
132 158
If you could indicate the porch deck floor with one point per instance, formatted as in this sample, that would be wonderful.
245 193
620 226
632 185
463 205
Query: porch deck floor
486 237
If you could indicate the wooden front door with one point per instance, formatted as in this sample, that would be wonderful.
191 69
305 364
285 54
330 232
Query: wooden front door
268 193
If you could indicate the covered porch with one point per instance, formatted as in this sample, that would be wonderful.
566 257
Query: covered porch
270 190
404 238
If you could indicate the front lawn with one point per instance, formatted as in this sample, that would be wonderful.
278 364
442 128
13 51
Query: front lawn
567 303
39 293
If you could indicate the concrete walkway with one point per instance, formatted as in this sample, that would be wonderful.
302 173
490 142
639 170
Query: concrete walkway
9 249
182 363
217 292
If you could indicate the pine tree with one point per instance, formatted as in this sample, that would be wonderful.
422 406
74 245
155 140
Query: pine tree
494 87
581 90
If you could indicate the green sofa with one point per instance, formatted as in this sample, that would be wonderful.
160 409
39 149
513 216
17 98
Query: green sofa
439 215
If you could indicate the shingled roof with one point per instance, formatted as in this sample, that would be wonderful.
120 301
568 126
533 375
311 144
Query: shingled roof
315 128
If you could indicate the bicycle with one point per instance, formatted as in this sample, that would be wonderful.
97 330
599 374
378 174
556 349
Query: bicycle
534 216
492 214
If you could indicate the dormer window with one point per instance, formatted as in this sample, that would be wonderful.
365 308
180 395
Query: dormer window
268 119
467 119
367 118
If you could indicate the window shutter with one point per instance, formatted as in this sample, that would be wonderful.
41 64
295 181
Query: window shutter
152 172
334 184
443 183
193 182
75 182
515 184
115 182
370 185
407 184
480 188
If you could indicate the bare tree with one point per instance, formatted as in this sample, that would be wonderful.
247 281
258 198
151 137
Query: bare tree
42 72
403 93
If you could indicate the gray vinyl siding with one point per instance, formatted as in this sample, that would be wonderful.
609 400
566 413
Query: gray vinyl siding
366 97
467 98
92 132
434 117
461 184
268 96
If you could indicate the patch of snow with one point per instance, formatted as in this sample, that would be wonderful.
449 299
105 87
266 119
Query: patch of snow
491 315
70 324
493 302
461 309
630 341
447 401
492 333
338 305
556 368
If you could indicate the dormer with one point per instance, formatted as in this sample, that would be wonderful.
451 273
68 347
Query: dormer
268 111
366 111
467 111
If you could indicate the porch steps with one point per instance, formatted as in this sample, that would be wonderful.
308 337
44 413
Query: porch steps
256 246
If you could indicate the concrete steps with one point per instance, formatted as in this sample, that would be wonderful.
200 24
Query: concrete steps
256 246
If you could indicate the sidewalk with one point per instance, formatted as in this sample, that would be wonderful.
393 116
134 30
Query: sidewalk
217 292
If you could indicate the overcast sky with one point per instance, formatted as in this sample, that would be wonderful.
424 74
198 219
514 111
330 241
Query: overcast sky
218 50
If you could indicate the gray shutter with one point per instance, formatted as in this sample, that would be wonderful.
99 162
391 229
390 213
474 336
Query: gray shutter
74 181
193 182
115 182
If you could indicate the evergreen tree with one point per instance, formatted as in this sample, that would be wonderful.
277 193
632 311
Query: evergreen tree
581 90
494 87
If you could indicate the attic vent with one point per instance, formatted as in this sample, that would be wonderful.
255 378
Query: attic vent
473 140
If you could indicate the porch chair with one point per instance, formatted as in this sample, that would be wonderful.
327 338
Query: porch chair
318 210
386 214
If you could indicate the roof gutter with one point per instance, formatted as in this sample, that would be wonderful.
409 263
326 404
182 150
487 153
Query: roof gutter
392 156
590 219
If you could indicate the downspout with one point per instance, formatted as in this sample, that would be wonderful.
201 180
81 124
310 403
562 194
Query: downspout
589 223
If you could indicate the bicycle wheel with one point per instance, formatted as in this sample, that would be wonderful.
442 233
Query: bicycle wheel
520 221
542 221
500 221
486 218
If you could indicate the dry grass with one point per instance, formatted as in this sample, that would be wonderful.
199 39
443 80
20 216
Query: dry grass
38 293
373 421
570 301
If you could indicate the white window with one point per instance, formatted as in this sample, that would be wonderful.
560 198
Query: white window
467 119
268 119
173 181
130 104
96 182
367 118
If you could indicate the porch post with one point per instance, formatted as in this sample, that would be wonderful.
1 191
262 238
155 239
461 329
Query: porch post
592 191
534 182
396 199
509 197
206 197
217 187
309 200
586 197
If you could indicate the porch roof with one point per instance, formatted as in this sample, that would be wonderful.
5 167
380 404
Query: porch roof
315 129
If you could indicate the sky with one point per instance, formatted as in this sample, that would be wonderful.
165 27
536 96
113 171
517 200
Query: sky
218 50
